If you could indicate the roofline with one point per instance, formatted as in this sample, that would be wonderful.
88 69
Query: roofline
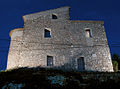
47 10
43 11
87 21
24 18
17 29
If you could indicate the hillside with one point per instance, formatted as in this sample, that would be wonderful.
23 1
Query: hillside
42 78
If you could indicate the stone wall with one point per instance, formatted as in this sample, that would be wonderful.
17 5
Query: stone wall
67 43
15 47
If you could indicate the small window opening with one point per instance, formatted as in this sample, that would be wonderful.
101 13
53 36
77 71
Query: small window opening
49 60
88 33
47 33
54 16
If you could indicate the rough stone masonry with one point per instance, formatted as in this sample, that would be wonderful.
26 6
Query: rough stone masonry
50 39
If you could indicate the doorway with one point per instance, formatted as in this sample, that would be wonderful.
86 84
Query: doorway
50 61
81 64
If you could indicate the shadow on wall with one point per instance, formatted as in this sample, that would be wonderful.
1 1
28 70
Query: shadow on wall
72 65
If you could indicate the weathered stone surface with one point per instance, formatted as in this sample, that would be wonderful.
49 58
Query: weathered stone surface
68 42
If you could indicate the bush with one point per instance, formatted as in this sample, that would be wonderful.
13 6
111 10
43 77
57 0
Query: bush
42 78
115 66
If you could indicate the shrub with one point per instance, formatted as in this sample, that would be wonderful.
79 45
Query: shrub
115 66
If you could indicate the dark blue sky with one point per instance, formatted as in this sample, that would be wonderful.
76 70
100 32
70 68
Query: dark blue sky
11 12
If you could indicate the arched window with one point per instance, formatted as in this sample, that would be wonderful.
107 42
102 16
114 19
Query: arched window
47 33
54 16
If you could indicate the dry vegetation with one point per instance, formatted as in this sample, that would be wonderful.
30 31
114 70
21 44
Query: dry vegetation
42 78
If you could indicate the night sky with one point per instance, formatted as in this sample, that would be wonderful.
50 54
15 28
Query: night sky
11 12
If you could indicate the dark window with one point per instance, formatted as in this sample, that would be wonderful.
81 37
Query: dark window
88 33
49 60
54 16
47 33
81 64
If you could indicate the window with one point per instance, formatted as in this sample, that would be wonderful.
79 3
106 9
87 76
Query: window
49 60
54 16
88 33
81 64
47 33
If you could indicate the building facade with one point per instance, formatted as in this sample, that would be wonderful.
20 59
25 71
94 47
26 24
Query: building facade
50 39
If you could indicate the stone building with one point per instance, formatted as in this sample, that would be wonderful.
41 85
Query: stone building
50 39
